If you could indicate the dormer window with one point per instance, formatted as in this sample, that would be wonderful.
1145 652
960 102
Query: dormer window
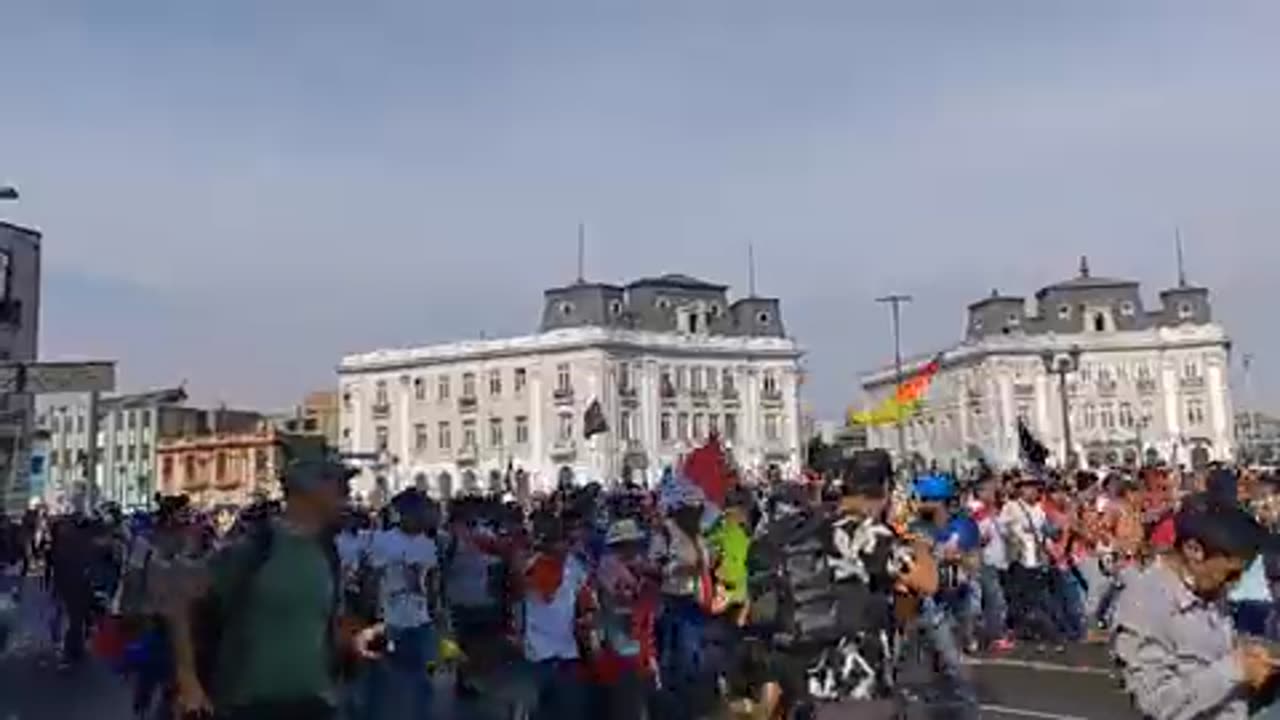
977 324
1013 320
1064 311
1185 311
566 308
715 311
615 307
1099 322
763 317
662 303
1127 309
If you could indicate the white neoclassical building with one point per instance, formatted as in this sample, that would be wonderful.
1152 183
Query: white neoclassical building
669 360
1139 384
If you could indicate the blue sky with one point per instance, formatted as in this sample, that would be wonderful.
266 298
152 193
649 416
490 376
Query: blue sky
236 193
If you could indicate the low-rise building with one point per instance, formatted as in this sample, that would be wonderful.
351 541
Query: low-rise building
317 415
234 467
1258 435
19 339
129 429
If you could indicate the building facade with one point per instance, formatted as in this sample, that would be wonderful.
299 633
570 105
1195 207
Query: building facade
230 468
129 430
1258 435
317 415
668 360
1149 385
19 338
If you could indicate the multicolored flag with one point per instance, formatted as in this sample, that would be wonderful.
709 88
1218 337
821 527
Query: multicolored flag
905 402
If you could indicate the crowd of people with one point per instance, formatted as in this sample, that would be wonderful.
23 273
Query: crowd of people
702 597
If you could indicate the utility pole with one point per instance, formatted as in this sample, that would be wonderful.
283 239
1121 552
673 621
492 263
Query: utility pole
895 302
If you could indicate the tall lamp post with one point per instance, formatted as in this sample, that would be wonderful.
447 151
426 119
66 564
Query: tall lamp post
1063 364
895 305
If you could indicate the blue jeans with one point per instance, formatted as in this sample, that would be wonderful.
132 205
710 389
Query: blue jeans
560 694
683 662
1069 597
399 686
995 608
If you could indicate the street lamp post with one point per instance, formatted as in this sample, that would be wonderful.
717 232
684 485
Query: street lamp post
1064 364
895 305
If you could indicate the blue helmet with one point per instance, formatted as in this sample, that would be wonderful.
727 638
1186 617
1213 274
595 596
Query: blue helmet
934 488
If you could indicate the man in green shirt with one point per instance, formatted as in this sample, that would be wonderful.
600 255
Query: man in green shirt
730 540
277 636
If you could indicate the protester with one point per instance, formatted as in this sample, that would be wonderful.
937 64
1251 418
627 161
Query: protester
260 637
1179 655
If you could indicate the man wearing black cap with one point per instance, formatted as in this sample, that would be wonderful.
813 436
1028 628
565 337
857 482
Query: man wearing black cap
260 637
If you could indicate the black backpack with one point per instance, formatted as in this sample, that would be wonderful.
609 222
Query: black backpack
791 581
211 619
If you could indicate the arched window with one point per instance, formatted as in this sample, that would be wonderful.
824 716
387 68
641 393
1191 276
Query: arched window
1099 322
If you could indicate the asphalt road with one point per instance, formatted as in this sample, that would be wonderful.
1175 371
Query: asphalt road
1026 685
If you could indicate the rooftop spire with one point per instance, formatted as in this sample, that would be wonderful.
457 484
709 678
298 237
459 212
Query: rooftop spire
751 270
1084 266
582 252
1182 270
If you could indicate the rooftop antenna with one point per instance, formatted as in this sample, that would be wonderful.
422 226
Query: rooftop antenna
582 252
751 270
1182 270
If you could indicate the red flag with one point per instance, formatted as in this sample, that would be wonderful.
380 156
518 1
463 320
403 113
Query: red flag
706 468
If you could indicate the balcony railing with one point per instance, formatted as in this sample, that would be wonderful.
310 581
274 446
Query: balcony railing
1107 387
467 454
699 397
729 394
381 409
1146 386
564 449
1024 389
563 395
468 403
1193 382
771 396
633 448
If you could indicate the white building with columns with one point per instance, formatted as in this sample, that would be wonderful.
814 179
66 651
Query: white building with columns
668 359
1149 385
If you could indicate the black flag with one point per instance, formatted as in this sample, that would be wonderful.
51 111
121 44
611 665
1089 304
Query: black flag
593 422
1032 449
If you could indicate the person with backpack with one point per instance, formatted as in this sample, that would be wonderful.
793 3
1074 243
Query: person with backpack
256 631
828 591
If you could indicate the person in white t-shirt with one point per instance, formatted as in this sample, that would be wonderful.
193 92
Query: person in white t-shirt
406 563
1027 530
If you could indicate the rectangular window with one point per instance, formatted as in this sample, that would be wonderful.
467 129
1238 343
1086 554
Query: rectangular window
468 385
682 378
1126 415
730 427
564 381
713 379
682 426
521 379
699 427
726 379
770 383
1108 417
666 385
444 436
1024 413
1195 413
420 437
419 388
713 424
664 427
132 453
624 377
495 383
133 420
382 436
380 393
771 431
695 379
495 432
522 430
442 388
468 433
80 423
624 425
564 429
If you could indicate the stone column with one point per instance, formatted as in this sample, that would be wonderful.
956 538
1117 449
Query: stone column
1170 395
